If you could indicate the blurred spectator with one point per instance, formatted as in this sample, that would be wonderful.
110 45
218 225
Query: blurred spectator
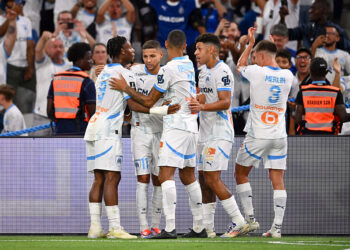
345 86
279 36
20 67
249 18
100 58
114 22
212 12
281 11
85 11
284 58
47 16
329 52
7 43
302 63
49 60
318 18
71 31
71 100
320 103
304 11
30 10
62 5
13 118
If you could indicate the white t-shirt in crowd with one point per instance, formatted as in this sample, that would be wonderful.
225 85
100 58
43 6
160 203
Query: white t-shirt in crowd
345 82
105 29
85 17
177 81
107 121
144 83
216 125
45 70
13 120
269 90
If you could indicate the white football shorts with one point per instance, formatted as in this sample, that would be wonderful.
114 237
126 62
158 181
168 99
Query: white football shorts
104 155
178 149
273 152
215 155
145 148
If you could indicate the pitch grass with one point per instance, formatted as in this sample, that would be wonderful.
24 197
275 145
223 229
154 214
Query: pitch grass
248 242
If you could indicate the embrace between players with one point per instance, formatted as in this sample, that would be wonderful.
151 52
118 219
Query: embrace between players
165 136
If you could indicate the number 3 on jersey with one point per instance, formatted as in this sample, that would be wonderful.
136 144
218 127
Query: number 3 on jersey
275 94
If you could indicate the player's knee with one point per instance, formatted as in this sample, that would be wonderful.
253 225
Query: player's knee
112 178
210 180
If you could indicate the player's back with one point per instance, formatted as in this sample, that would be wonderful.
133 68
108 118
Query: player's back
176 79
144 82
269 89
107 121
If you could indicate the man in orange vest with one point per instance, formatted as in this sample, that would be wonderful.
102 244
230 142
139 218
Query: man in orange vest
71 100
320 103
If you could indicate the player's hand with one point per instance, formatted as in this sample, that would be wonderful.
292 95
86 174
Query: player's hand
195 106
28 74
172 109
11 15
336 66
251 35
118 84
98 69
201 98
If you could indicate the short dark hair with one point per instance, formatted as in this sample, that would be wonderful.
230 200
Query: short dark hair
284 53
176 39
8 91
151 44
266 45
318 67
208 38
77 51
279 30
303 49
97 44
115 45
330 25
63 12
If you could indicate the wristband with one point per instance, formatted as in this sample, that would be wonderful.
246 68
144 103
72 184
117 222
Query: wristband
162 110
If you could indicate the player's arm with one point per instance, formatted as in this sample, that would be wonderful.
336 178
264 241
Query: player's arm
243 60
147 101
11 33
163 110
223 103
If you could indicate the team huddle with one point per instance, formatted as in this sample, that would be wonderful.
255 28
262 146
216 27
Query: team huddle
165 136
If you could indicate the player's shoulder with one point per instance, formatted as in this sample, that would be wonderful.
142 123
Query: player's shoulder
139 69
223 68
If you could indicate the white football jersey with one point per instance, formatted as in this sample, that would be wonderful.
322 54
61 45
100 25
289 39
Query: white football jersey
105 30
107 121
143 84
216 125
269 89
176 80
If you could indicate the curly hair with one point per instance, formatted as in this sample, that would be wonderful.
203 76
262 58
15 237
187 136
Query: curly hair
77 51
115 45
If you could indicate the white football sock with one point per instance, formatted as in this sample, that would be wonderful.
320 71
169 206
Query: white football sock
169 204
279 204
113 217
156 206
95 214
195 195
208 215
245 195
141 204
232 210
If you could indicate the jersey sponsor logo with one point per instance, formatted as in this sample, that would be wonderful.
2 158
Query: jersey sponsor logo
143 91
275 79
269 118
210 153
160 79
171 19
226 80
269 108
133 85
205 90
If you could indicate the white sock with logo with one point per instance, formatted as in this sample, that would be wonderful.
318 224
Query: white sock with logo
245 195
141 203
279 204
113 215
169 204
231 208
95 214
156 206
208 215
195 195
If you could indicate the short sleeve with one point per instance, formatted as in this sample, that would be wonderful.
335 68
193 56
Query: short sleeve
340 99
163 78
224 81
29 30
249 72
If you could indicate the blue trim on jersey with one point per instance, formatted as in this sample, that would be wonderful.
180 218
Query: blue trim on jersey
186 157
223 89
58 64
330 51
9 108
76 68
277 157
148 73
316 82
179 58
273 68
159 89
113 64
113 116
7 55
222 115
251 154
127 97
222 151
94 157
217 63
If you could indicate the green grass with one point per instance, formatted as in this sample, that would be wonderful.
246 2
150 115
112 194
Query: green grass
256 243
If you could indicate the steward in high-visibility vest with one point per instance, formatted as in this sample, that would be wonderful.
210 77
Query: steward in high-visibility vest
321 104
71 99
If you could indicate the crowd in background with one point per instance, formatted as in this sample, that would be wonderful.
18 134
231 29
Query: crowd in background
46 29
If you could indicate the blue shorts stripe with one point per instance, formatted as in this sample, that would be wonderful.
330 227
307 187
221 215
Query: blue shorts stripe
222 115
186 157
222 151
113 116
251 154
277 157
89 158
